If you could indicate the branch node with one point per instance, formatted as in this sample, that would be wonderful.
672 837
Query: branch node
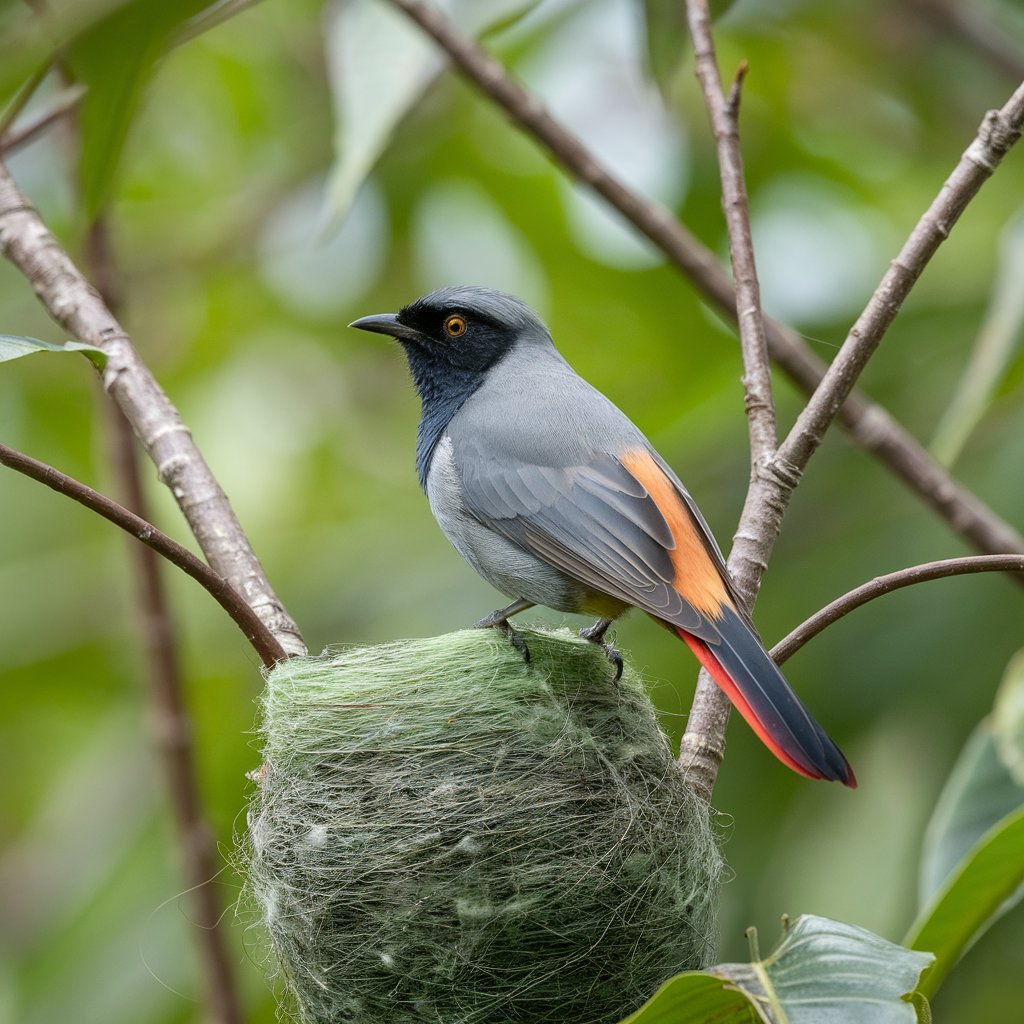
995 138
732 101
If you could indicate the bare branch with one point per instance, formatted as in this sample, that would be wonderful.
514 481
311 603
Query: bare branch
70 300
723 113
998 132
63 104
871 426
703 743
882 585
256 632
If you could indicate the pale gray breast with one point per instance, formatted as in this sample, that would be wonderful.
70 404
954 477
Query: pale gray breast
505 566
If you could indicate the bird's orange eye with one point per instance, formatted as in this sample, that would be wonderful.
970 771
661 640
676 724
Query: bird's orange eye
454 326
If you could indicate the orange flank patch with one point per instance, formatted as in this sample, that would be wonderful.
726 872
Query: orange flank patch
697 578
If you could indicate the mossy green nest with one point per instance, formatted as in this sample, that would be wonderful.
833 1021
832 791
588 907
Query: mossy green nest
444 833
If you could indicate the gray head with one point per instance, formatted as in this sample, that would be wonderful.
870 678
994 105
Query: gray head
453 338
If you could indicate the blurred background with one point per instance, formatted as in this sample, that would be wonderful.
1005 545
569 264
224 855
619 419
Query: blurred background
238 278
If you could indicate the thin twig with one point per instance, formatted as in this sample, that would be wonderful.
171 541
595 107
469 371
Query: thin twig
870 425
172 724
76 306
65 101
771 490
256 632
882 585
723 114
999 130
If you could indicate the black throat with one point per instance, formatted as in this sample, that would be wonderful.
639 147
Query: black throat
442 389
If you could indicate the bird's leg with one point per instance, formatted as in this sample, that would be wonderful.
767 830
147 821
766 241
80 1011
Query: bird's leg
595 634
499 620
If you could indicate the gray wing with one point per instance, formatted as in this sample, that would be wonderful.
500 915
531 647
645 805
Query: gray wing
530 470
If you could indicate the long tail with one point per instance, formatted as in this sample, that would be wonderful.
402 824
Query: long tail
741 666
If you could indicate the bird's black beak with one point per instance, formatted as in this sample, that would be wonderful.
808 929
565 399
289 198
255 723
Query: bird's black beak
387 323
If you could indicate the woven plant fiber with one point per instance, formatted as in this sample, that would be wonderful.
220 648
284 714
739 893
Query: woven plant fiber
444 833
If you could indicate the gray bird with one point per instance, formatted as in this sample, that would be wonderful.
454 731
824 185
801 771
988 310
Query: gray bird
555 498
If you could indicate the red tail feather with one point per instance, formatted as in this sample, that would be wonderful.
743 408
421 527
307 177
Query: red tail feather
730 689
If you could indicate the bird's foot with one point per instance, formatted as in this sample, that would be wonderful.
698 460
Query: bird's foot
499 620
595 634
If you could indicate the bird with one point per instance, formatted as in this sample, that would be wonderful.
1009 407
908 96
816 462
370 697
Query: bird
555 498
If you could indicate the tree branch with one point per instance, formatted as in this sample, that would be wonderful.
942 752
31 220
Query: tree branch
65 101
882 585
703 743
172 724
70 300
999 130
871 426
256 631
724 116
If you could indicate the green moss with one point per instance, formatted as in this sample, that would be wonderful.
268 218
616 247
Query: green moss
444 833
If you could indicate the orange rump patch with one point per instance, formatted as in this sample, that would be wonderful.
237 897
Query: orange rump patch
697 577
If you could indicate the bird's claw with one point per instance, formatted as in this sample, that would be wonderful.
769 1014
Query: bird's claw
514 637
595 635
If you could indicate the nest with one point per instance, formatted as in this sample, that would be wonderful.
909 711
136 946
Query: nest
443 833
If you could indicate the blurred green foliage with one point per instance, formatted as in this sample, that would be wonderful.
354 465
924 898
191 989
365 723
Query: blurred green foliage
853 114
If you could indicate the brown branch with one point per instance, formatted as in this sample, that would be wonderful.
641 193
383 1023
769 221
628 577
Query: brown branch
998 132
882 585
724 115
771 490
172 725
76 306
870 425
256 631
65 101
172 734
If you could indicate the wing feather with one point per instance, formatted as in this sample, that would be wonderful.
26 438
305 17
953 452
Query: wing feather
599 522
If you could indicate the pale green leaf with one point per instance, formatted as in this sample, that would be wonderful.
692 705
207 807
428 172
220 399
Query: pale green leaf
978 793
668 39
14 347
993 350
983 886
138 33
1008 719
380 65
823 972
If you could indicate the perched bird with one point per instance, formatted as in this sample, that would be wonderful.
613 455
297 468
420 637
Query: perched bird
557 499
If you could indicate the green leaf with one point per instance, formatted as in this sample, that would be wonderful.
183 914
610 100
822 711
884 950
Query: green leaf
822 971
985 885
668 39
380 65
695 997
978 793
997 341
14 347
1008 720
115 58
